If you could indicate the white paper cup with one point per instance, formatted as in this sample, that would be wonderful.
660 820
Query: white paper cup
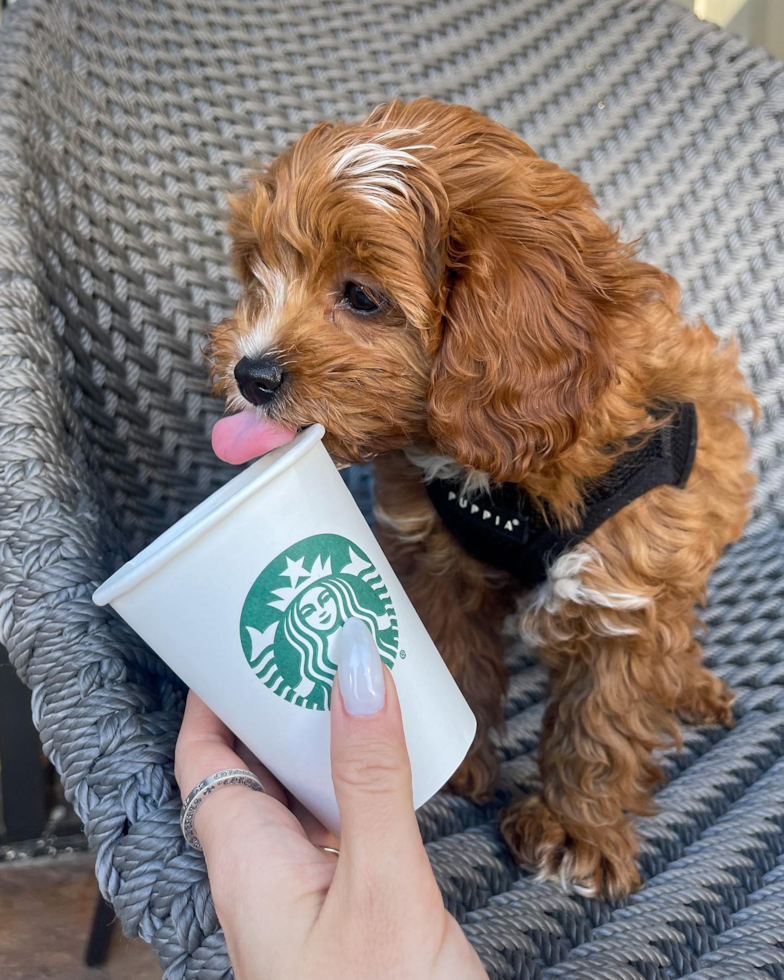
243 598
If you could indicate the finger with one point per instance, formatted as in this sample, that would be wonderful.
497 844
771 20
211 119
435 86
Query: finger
205 746
316 832
370 766
236 826
268 781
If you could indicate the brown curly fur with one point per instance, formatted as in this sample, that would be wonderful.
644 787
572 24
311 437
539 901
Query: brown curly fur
525 342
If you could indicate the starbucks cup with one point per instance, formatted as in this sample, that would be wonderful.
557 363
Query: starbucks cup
243 599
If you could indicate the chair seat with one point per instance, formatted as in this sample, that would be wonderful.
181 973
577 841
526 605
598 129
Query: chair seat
122 125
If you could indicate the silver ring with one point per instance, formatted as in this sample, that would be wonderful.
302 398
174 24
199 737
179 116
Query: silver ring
224 777
328 850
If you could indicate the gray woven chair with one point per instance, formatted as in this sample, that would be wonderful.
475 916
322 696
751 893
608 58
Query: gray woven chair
121 127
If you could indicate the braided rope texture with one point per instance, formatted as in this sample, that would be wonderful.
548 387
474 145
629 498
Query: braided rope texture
121 126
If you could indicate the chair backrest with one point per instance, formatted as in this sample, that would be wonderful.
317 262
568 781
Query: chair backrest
132 146
122 123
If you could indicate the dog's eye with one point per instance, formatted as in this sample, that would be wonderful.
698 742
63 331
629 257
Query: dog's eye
360 300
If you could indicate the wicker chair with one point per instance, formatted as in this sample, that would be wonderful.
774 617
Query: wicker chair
121 127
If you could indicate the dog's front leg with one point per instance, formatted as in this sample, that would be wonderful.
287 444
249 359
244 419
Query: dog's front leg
595 757
617 637
461 602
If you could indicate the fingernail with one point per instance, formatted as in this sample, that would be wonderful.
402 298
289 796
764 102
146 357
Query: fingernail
359 669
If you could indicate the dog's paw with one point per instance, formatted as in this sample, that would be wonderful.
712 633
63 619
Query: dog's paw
708 703
475 779
592 861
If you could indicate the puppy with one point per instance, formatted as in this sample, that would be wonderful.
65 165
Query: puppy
551 439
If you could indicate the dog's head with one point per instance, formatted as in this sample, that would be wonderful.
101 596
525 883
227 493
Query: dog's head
423 278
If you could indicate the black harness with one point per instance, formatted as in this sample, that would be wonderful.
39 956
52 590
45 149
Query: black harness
504 528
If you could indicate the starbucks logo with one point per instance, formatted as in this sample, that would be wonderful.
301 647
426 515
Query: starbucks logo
295 608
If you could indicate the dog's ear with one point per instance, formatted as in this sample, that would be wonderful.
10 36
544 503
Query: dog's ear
536 291
248 209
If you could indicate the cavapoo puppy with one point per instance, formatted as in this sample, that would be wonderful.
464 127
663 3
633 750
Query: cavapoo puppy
552 440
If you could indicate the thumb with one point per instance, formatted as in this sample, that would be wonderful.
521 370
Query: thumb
370 765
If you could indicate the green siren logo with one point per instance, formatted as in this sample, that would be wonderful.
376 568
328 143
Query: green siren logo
295 608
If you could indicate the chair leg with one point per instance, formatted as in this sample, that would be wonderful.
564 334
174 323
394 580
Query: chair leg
97 949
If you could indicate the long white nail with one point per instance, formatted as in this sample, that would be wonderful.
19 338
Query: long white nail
360 669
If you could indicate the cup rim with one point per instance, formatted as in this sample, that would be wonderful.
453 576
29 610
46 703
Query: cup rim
151 559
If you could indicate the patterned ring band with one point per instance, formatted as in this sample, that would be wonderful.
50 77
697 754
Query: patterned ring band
224 777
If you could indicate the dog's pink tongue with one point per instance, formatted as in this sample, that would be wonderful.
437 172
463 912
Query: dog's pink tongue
239 438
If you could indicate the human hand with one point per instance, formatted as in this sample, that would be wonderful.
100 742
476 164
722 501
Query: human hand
289 909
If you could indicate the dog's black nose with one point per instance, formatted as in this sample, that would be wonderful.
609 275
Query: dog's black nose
259 379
